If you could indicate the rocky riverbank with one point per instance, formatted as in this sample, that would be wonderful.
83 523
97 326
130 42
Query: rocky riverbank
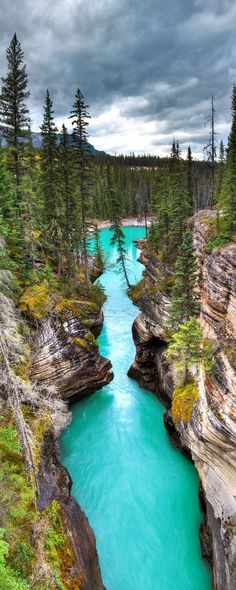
49 358
210 435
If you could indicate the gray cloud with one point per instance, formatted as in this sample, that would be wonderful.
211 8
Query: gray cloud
146 69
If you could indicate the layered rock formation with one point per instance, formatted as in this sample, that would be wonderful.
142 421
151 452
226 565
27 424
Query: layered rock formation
66 356
210 436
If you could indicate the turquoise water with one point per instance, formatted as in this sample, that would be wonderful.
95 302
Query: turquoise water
139 493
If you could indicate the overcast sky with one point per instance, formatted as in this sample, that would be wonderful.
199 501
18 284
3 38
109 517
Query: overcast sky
147 67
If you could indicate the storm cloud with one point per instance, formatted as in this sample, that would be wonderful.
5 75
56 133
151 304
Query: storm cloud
147 69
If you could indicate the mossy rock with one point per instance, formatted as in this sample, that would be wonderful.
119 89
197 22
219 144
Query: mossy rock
36 301
183 402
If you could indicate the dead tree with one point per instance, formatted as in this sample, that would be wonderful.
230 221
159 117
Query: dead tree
210 148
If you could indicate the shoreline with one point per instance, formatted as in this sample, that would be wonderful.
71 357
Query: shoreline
106 223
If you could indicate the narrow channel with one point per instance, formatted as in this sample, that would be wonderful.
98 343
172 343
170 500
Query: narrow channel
139 493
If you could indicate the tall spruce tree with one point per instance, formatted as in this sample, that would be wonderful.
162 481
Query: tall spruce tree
80 118
184 297
118 237
190 204
69 202
222 152
14 113
178 207
229 189
50 181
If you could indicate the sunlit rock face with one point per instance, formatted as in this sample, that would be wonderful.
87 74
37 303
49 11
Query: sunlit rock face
67 357
210 436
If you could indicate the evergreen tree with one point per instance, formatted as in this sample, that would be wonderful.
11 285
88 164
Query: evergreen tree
50 181
70 211
229 189
220 177
49 160
159 235
178 208
118 237
222 152
98 247
190 204
188 350
184 297
14 113
80 117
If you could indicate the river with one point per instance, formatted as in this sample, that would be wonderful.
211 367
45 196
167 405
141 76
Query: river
139 493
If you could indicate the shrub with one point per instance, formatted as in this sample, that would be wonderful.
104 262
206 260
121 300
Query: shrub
36 301
216 242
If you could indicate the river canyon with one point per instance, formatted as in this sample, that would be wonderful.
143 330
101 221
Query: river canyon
139 493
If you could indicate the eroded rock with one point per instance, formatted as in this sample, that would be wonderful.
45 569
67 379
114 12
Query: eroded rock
210 436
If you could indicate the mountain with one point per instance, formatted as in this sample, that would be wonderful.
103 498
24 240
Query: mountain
37 142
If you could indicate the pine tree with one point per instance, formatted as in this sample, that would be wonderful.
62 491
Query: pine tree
98 247
184 297
188 350
118 237
221 169
14 113
49 159
159 235
190 204
80 116
50 181
70 212
178 207
222 152
229 189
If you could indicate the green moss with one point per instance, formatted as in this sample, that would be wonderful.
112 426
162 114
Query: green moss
137 291
36 301
183 402
91 340
88 323
81 342
230 351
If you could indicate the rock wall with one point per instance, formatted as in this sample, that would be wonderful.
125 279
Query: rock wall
210 436
54 483
67 356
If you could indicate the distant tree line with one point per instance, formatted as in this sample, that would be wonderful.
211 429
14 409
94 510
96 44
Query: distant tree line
54 192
